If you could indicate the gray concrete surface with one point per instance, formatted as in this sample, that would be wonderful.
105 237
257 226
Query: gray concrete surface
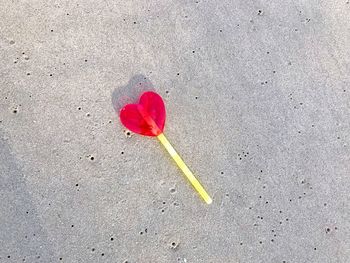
258 102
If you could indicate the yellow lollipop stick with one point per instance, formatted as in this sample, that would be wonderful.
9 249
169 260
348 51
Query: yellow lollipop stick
193 180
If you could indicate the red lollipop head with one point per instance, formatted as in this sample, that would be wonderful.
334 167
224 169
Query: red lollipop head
147 117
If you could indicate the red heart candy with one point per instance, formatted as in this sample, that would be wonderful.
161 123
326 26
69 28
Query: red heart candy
147 117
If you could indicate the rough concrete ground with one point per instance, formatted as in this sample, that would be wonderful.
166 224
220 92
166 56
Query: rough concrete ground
258 102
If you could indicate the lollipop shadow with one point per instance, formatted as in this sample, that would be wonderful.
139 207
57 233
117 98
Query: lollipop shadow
131 92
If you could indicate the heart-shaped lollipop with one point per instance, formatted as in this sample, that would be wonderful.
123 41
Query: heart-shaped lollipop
148 118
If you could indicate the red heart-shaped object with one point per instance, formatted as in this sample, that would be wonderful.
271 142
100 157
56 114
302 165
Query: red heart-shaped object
147 117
